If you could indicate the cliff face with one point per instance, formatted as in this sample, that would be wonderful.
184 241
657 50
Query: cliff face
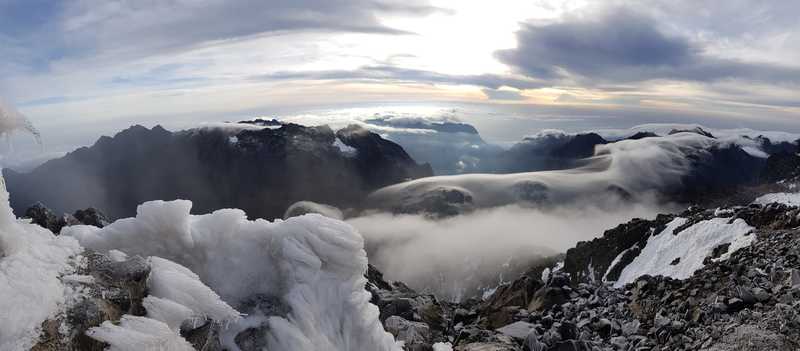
262 170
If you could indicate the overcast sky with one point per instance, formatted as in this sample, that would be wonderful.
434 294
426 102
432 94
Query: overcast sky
503 65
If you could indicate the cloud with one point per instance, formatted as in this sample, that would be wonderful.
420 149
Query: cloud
457 257
396 74
622 44
502 94
129 29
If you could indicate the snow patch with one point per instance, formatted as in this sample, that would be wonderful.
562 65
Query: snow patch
791 199
691 246
442 346
347 150
616 261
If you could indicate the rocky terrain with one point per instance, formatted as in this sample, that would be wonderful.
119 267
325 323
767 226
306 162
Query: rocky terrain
708 278
747 301
262 170
741 298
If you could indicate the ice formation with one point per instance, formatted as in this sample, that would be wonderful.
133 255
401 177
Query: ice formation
176 296
139 333
689 247
32 260
312 264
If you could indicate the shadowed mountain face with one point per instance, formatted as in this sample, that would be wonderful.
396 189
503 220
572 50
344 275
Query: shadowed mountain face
457 148
548 152
262 171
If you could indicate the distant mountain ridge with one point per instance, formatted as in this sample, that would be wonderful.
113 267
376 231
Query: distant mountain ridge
262 171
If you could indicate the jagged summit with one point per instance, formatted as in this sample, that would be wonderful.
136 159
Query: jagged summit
262 170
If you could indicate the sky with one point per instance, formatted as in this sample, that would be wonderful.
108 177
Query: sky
81 68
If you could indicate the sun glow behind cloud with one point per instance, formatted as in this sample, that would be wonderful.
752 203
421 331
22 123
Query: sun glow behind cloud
442 53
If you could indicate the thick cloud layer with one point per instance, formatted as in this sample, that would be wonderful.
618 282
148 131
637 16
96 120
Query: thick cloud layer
626 45
462 256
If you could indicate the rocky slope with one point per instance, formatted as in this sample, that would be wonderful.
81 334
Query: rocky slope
743 293
748 299
261 170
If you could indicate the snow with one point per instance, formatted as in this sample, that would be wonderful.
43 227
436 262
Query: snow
347 150
171 281
305 207
170 312
517 330
791 199
665 128
32 260
691 245
616 261
176 296
312 264
724 212
139 333
442 346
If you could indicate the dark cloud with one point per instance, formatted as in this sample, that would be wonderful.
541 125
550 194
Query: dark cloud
496 94
625 45
387 73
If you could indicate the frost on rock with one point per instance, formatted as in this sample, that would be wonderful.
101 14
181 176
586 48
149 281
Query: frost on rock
139 333
177 296
173 282
679 255
32 260
312 265
790 199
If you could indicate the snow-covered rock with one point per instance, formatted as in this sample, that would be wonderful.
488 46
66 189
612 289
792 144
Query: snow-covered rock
311 264
32 261
791 199
678 254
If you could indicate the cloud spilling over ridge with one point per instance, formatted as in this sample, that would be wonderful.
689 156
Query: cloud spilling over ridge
627 168
522 217
462 256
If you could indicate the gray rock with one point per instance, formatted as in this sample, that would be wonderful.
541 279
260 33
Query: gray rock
411 332
517 330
